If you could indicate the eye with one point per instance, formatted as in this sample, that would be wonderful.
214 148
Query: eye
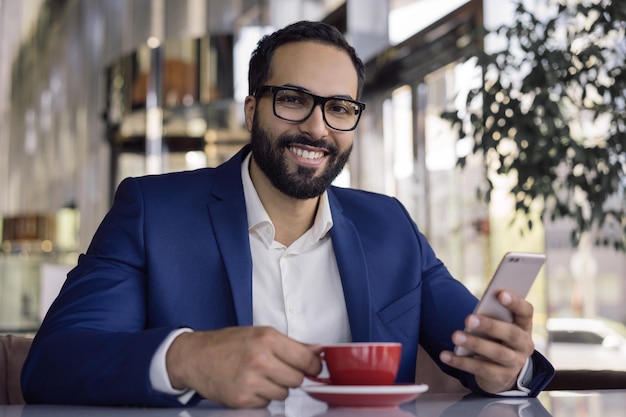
341 108
292 98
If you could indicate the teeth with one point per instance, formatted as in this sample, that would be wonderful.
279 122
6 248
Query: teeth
306 154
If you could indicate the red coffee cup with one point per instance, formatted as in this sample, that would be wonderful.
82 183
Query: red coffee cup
363 363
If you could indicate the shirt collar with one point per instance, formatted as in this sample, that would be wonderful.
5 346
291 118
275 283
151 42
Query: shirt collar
258 217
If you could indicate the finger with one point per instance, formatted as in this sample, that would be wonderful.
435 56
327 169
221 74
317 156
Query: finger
302 357
261 363
271 391
476 365
254 385
491 350
497 333
316 349
522 310
285 375
243 400
284 361
491 377
242 392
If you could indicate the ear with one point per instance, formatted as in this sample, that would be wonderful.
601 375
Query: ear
249 108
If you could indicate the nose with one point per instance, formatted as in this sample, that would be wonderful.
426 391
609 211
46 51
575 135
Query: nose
315 125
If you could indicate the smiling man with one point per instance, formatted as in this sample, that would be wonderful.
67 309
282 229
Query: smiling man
224 283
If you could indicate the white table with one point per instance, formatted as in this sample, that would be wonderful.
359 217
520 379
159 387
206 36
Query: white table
609 403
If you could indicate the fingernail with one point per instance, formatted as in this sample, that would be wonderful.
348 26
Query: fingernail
473 322
506 298
459 338
445 357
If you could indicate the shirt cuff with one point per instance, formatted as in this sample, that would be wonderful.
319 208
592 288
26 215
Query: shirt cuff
159 379
524 377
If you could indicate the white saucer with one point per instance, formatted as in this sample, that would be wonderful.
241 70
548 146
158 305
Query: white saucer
379 396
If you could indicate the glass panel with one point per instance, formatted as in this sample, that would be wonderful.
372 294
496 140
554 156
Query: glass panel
398 138
216 68
140 71
37 252
458 227
180 72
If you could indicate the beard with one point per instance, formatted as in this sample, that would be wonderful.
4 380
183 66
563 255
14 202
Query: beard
302 184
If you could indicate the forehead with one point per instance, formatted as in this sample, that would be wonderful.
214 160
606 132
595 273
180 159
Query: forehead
320 68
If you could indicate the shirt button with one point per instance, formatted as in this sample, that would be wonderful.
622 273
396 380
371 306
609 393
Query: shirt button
291 310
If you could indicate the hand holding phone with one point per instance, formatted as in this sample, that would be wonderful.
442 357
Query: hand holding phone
516 273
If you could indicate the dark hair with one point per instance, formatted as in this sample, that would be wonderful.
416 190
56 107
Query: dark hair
303 31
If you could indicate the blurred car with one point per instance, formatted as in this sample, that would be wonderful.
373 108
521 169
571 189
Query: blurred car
585 343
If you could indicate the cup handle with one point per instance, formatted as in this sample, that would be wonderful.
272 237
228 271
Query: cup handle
319 379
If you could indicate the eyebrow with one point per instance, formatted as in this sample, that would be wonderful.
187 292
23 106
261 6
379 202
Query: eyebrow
345 96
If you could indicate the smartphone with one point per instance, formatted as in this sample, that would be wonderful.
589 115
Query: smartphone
516 272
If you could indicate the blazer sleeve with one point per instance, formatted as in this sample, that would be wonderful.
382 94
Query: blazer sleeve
543 372
94 345
439 321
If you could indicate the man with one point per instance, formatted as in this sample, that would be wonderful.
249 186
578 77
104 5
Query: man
224 283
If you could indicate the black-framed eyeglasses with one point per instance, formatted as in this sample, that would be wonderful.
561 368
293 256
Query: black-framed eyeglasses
296 105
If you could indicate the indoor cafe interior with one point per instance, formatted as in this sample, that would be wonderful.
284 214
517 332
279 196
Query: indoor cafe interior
95 91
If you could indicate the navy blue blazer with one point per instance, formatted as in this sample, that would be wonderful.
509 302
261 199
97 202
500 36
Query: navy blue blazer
173 251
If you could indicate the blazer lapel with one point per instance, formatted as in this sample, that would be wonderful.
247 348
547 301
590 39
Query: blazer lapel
353 272
230 222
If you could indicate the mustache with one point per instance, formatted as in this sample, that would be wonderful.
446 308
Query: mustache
287 139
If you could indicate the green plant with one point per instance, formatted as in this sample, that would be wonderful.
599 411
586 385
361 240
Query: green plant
552 111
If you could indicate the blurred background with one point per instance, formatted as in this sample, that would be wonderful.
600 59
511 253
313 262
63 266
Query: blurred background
93 91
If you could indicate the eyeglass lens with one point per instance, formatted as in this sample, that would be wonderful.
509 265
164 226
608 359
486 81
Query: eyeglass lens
296 106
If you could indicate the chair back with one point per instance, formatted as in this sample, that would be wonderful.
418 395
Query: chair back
13 351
